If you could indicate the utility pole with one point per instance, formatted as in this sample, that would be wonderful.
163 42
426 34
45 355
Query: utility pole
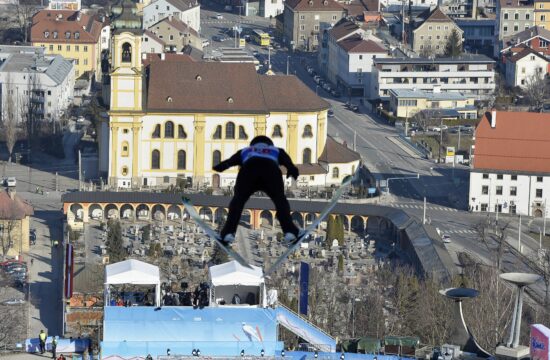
544 220
287 64
79 170
519 234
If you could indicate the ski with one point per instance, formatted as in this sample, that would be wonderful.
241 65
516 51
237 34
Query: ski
308 230
213 234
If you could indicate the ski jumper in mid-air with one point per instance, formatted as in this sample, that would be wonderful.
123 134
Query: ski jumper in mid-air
259 171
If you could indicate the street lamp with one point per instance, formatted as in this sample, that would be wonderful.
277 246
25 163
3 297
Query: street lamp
397 178
287 64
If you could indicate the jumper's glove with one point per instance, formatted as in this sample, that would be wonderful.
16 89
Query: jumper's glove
292 172
219 168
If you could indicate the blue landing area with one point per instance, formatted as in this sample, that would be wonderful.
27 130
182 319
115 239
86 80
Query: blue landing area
303 355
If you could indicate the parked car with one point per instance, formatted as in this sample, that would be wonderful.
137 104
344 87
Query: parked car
11 182
218 16
446 238
330 113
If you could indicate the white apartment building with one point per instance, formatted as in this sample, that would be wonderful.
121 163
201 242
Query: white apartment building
105 37
471 75
271 8
188 11
522 66
26 74
511 165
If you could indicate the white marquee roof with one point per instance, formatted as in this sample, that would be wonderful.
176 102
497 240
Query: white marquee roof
132 272
233 273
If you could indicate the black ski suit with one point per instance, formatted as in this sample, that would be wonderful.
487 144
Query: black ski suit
259 173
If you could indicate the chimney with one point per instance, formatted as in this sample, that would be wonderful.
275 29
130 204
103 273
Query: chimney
493 118
162 56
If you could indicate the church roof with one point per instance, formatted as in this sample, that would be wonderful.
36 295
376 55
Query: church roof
215 87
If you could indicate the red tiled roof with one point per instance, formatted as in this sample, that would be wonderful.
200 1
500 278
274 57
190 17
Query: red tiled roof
178 25
525 52
63 21
13 209
438 16
518 142
342 29
314 5
355 44
515 3
154 36
151 58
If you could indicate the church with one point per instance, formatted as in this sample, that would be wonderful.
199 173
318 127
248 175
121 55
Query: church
172 118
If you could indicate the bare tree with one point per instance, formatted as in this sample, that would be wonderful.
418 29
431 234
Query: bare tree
9 119
24 14
536 90
6 232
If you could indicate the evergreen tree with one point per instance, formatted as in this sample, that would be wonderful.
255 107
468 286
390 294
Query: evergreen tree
454 44
218 256
115 247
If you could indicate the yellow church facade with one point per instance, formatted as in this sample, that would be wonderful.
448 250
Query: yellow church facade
172 118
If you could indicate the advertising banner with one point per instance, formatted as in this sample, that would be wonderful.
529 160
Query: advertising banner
539 342
304 287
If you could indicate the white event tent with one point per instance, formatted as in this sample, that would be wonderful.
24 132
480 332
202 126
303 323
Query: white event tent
133 272
231 278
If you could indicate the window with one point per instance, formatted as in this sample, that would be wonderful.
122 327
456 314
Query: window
505 28
500 176
334 17
155 159
513 191
68 47
302 17
181 132
543 18
514 177
181 159
124 171
217 133
156 132
125 131
516 16
67 34
51 47
316 27
77 61
169 130
55 34
335 173
216 157
527 16
171 37
539 178
307 131
59 47
484 190
499 190
505 16
302 27
76 48
538 193
85 48
230 130
277 131
242 133
306 156
125 149
485 176
484 207
126 52
516 27
85 61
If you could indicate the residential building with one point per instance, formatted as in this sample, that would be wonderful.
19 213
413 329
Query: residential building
71 34
305 20
513 16
511 166
328 51
106 35
14 224
542 13
151 43
471 75
187 11
536 37
74 5
407 103
457 9
188 116
27 75
175 34
415 3
523 66
432 35
478 35
271 8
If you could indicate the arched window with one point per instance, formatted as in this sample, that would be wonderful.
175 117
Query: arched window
230 130
306 156
217 133
242 133
277 131
181 132
169 130
182 158
125 149
155 159
335 173
156 132
307 131
126 53
216 157
124 171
